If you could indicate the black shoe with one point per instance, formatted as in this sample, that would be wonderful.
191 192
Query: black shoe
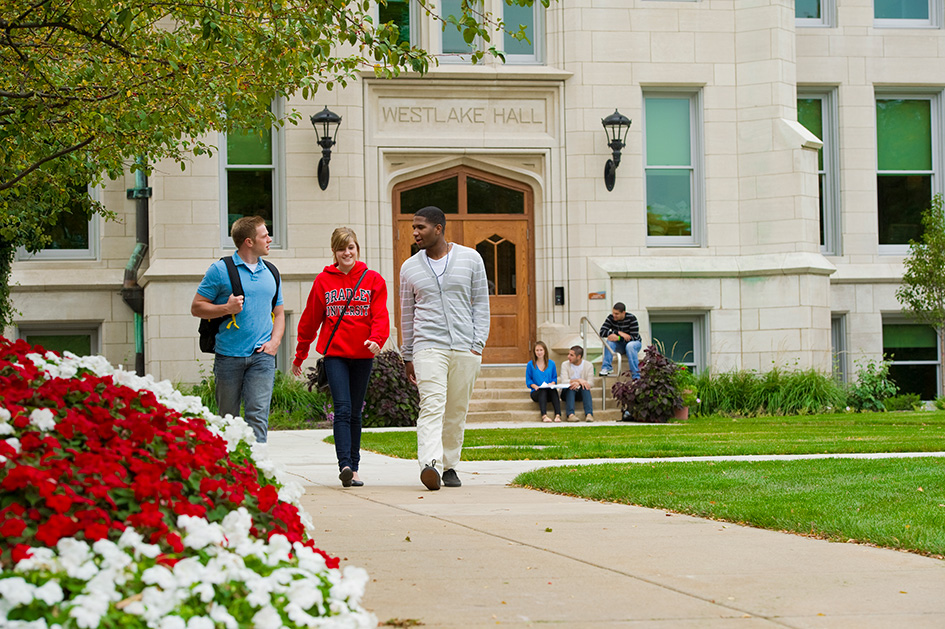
345 477
451 479
430 478
357 483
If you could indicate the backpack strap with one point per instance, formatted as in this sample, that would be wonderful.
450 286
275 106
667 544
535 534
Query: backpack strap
235 284
275 273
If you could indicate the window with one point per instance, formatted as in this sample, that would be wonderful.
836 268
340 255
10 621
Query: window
454 46
672 137
905 13
838 347
81 339
519 50
403 14
253 181
907 155
814 12
75 236
913 350
818 113
682 338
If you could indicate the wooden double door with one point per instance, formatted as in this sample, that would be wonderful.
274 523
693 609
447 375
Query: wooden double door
492 215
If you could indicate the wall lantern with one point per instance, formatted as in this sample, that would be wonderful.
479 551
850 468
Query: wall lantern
616 125
326 124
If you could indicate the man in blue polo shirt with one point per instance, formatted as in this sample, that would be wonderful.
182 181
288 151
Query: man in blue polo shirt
244 364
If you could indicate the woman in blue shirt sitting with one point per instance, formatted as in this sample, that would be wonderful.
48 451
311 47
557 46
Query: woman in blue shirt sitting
540 370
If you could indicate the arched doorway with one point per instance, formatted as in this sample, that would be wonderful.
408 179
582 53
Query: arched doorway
493 215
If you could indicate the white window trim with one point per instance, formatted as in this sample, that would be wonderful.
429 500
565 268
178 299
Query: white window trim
279 229
697 192
838 347
938 149
934 20
63 328
828 17
833 227
700 333
899 319
91 253
538 38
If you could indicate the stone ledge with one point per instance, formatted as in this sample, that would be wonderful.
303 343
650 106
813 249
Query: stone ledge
716 266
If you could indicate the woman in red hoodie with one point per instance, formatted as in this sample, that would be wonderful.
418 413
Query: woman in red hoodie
362 333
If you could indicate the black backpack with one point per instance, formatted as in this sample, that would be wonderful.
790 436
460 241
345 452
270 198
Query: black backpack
208 328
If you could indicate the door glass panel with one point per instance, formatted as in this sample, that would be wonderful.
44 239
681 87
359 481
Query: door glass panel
498 255
443 194
483 197
78 344
676 339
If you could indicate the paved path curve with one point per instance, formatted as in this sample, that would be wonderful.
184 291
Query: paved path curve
487 555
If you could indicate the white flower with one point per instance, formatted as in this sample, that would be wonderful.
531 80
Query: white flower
40 558
88 610
279 549
221 615
49 592
199 622
14 443
200 533
172 622
159 576
16 591
267 618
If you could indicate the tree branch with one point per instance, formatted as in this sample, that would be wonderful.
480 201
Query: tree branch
5 185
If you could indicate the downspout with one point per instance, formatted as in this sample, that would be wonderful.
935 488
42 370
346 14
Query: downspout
131 292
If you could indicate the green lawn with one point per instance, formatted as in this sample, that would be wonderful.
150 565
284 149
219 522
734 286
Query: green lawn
896 503
702 436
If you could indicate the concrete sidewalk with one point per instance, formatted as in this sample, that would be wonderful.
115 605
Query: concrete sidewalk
487 554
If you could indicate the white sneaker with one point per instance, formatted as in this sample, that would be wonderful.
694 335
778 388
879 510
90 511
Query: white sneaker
606 372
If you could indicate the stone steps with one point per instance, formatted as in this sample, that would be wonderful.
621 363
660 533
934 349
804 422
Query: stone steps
500 396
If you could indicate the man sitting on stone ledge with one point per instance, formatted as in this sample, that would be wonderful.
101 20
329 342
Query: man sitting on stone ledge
621 333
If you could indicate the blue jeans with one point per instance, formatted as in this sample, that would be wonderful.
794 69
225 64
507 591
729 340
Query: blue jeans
630 348
246 379
348 380
569 396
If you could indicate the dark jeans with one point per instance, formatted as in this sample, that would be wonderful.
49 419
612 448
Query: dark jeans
542 396
246 379
348 381
570 394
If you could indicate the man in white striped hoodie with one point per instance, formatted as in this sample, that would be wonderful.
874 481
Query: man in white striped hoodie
444 309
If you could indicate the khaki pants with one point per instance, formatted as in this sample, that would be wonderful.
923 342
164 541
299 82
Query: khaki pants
445 379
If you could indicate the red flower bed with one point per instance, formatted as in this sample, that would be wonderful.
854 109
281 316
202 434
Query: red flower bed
88 458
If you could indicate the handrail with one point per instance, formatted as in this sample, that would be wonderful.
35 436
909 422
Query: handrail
606 348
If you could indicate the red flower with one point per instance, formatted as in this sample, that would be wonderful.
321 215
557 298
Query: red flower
13 527
21 552
267 497
59 503
54 529
174 541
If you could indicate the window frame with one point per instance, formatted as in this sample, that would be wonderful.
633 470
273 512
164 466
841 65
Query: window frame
538 40
700 334
827 19
697 166
452 57
899 319
839 367
934 20
937 102
64 328
278 167
92 252
829 108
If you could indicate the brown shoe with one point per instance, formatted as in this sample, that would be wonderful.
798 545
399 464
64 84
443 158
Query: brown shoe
430 478
572 418
588 418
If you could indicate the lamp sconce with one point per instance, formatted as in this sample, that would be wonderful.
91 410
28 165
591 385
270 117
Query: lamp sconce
616 125
326 125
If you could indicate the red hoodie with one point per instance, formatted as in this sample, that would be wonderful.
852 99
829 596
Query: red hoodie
366 317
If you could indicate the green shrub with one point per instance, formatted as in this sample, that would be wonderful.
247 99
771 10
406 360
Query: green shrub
776 392
872 386
903 402
940 403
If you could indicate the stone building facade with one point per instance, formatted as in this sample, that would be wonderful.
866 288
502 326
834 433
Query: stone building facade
778 159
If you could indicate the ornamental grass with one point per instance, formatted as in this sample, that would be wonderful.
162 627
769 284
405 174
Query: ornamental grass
125 503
